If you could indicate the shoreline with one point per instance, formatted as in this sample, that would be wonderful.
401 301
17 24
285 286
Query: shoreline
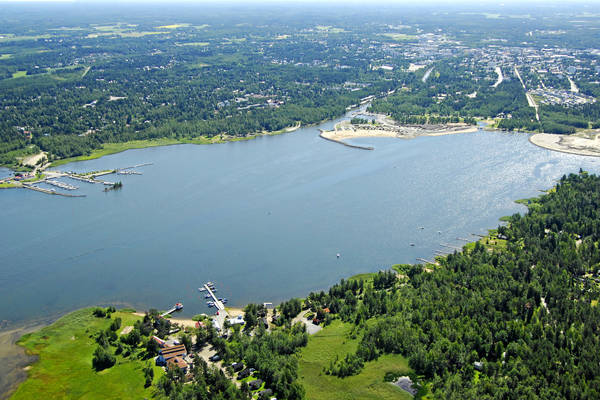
570 144
114 148
14 359
343 131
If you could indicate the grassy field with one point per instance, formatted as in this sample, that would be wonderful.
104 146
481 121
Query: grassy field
369 384
173 26
5 56
400 37
19 74
64 368
196 44
112 148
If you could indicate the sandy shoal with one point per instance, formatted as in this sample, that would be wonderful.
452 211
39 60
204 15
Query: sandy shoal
342 134
580 144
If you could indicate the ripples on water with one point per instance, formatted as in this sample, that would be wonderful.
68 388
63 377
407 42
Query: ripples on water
263 219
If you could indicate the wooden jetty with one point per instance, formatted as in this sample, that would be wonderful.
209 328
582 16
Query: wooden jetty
176 307
426 261
464 239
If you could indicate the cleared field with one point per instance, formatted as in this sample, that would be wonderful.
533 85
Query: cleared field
19 74
330 29
195 44
400 37
13 38
5 56
64 369
332 341
173 26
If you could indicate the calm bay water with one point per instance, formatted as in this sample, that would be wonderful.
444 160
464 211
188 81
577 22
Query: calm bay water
263 219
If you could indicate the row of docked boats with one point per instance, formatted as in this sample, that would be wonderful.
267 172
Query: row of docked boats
209 287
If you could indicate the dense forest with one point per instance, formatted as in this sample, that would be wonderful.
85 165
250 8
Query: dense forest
514 319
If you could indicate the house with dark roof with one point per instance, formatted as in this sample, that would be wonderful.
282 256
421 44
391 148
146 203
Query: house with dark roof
256 384
177 362
167 353
237 367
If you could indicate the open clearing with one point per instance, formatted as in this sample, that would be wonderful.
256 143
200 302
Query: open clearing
323 348
400 37
173 26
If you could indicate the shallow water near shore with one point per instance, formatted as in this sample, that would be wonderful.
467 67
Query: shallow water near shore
263 219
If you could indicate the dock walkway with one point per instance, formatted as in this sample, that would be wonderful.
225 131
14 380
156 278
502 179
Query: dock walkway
221 314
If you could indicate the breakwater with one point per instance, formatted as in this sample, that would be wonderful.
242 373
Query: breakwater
355 146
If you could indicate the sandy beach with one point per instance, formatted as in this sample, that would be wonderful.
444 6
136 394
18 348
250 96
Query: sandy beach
583 144
345 130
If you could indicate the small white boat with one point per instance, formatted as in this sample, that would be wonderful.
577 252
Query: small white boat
338 255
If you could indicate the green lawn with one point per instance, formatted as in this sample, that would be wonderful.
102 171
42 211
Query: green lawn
19 74
111 148
64 368
331 341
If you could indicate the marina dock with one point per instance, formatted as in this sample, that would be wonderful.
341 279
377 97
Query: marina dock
221 314
218 304
61 185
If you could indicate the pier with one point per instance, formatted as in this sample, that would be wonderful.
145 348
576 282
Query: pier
218 304
50 191
426 261
221 314
80 178
176 307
